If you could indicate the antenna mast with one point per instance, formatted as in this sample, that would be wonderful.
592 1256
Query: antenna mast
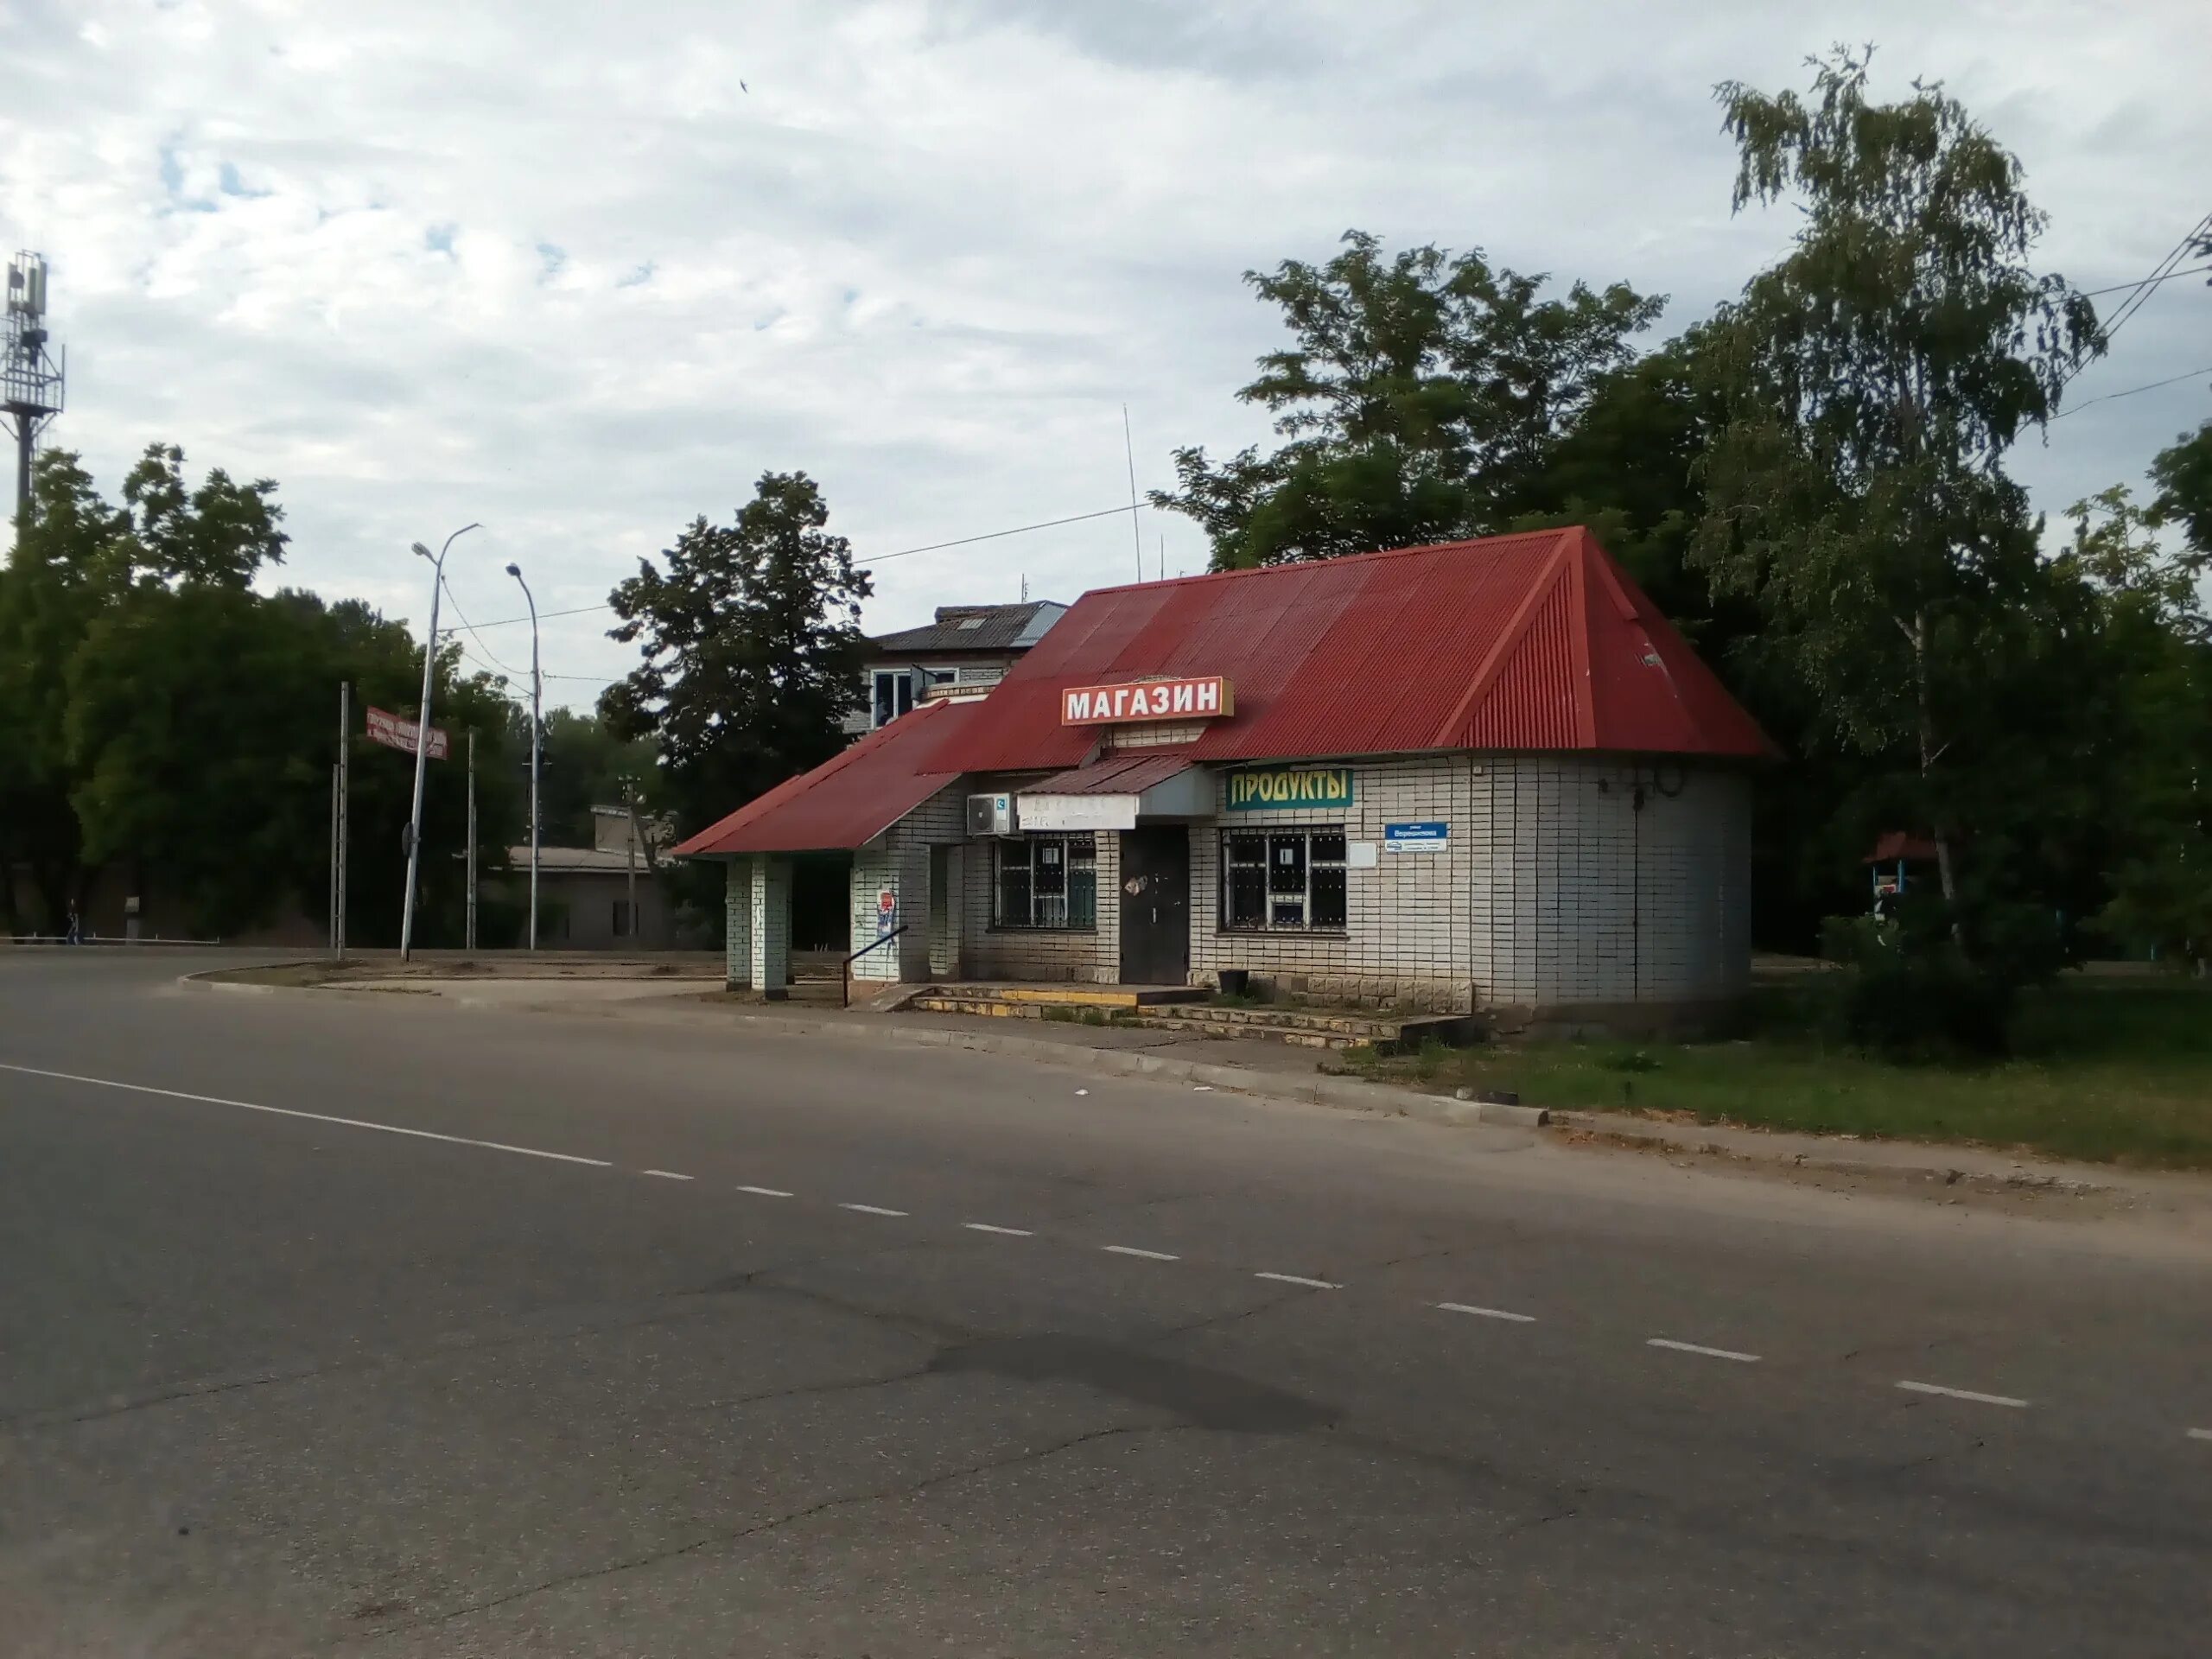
30 376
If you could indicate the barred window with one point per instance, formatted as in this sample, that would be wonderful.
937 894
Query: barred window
1285 878
1046 881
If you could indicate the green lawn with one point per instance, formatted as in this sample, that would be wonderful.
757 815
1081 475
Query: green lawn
2115 1070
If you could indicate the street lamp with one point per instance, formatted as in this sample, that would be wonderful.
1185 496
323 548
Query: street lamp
423 740
536 726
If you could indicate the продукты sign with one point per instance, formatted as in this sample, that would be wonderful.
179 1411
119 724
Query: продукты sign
1264 787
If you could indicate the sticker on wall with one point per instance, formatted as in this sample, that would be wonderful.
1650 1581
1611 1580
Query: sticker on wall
1430 835
887 913
1276 788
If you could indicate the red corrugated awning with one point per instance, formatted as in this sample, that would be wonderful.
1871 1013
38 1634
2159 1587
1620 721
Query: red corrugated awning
847 800
1120 774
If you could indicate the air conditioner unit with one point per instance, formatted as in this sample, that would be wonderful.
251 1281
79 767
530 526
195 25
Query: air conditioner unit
993 815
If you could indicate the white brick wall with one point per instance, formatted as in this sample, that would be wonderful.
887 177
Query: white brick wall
737 922
899 860
1556 888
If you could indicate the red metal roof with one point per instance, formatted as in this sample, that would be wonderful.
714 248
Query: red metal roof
1531 642
848 799
1116 775
1895 844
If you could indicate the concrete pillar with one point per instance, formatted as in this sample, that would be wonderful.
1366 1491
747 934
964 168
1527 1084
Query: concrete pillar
737 923
771 927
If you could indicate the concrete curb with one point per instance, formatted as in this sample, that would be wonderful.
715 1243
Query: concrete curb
1343 1093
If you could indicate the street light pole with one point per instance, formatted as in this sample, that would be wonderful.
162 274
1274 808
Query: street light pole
536 726
423 740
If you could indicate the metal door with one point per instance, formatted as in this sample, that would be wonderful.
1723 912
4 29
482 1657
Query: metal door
1156 905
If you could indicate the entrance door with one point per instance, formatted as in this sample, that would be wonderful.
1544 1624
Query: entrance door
1156 905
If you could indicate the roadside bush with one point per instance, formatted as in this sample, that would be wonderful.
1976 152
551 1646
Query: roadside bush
1909 991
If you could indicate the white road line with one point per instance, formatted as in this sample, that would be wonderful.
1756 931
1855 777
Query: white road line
1965 1393
1293 1279
665 1174
871 1209
1131 1250
1698 1348
312 1117
765 1191
1487 1313
1007 1232
2200 1434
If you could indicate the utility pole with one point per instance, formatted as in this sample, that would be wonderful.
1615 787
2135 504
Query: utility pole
630 855
537 728
345 803
469 933
332 917
423 741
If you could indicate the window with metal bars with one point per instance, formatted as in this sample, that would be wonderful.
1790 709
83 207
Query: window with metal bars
1046 881
1281 880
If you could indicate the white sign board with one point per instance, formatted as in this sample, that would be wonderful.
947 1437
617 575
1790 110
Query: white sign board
1359 856
1431 836
1078 811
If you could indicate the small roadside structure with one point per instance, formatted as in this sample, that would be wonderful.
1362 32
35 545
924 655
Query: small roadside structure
604 897
1479 774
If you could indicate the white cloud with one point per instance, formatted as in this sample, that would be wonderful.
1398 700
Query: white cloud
927 256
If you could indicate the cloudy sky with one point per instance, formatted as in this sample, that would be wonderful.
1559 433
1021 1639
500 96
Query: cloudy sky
582 271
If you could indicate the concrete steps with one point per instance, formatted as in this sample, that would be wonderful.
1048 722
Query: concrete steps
1181 1010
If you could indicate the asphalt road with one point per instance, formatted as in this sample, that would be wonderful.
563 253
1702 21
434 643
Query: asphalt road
371 1326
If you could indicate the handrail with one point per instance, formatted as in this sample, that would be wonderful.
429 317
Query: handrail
845 997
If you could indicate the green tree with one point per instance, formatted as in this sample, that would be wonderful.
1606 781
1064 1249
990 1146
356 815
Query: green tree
750 633
583 764
2154 770
1871 384
2183 475
1423 397
72 559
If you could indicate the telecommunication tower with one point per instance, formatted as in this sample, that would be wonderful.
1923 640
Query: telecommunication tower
30 376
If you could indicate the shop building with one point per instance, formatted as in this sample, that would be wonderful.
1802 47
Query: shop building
1480 774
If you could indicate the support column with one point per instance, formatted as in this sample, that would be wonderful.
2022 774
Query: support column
737 923
771 927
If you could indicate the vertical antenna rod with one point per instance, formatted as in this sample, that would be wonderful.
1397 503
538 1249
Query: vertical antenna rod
1136 531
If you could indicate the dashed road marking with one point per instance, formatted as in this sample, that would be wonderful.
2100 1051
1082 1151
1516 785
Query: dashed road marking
1293 1279
312 1117
765 1191
1131 1250
871 1209
1965 1393
667 1174
1004 1232
2200 1434
1487 1313
1700 1348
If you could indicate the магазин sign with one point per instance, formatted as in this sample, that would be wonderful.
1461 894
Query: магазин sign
1203 698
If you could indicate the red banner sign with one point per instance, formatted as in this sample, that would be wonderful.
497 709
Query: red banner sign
1207 697
394 733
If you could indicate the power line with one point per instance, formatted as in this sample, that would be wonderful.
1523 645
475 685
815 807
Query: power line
2150 281
2171 380
880 558
2165 269
470 626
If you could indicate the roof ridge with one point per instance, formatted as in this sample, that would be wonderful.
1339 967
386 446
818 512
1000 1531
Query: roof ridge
1510 639
1370 556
